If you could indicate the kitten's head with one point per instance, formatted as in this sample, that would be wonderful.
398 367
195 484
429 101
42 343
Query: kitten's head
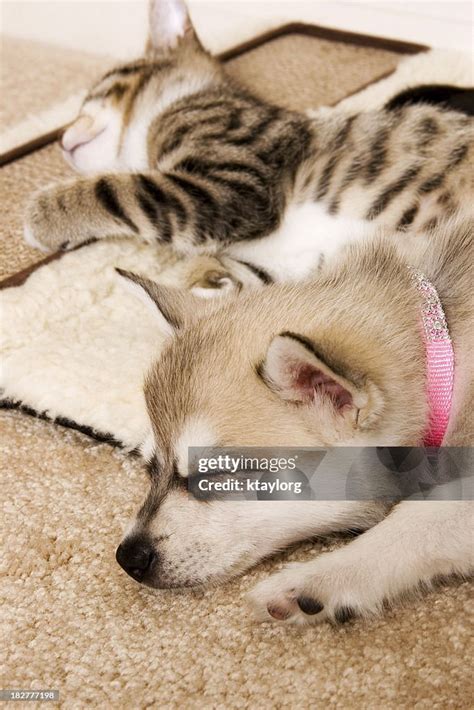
111 131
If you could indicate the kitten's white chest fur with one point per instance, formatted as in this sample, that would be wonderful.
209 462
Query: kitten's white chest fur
306 234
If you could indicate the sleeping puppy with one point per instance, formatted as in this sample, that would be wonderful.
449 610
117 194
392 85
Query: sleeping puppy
345 359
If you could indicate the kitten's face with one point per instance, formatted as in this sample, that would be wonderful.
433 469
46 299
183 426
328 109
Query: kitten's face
111 131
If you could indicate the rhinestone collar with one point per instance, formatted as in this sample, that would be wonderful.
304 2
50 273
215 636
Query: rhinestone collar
439 360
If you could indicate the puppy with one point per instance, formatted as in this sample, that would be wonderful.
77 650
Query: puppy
342 359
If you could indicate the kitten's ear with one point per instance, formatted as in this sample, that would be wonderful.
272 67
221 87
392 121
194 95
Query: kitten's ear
297 372
169 24
172 308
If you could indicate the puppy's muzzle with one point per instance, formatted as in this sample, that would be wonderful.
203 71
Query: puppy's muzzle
137 557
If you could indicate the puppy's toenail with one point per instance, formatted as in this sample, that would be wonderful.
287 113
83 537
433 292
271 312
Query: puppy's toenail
64 246
277 612
344 614
309 606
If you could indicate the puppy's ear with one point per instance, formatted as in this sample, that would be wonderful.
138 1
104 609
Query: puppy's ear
297 372
171 306
169 25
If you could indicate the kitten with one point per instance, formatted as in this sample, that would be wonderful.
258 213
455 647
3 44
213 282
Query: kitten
175 151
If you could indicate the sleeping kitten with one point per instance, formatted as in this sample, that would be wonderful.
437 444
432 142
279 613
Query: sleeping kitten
176 152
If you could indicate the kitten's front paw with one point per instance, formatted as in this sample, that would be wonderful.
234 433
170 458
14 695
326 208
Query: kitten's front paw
47 225
308 593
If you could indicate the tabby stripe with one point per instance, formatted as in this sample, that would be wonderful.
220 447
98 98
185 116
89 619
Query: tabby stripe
351 174
432 183
175 140
127 70
390 192
166 231
160 220
428 129
326 176
445 199
235 119
430 225
342 134
378 154
336 145
198 107
457 156
148 208
260 273
206 168
117 91
239 187
258 130
407 217
207 209
109 201
140 86
165 199
195 192
288 150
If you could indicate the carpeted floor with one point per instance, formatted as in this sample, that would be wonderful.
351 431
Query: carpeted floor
73 621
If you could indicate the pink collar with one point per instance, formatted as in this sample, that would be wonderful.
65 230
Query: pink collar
439 360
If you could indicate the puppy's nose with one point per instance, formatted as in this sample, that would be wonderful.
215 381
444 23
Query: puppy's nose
136 557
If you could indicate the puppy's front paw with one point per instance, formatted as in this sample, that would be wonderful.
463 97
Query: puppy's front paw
308 593
48 227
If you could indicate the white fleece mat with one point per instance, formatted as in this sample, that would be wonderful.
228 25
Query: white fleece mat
75 345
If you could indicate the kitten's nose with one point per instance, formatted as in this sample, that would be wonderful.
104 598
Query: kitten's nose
80 132
136 557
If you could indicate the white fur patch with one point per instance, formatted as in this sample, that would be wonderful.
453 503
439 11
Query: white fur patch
197 431
31 240
134 152
100 151
294 250
147 449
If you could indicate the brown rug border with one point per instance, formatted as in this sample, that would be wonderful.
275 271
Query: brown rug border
309 30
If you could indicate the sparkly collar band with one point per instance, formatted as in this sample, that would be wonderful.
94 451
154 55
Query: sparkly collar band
439 360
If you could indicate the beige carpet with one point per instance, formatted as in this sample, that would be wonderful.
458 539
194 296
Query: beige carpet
73 621
30 60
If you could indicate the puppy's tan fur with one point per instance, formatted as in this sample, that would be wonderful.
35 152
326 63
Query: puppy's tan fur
226 378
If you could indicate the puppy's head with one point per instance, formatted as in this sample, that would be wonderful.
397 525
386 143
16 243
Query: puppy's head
238 373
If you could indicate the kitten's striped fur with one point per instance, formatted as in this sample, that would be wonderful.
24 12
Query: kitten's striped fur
187 157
